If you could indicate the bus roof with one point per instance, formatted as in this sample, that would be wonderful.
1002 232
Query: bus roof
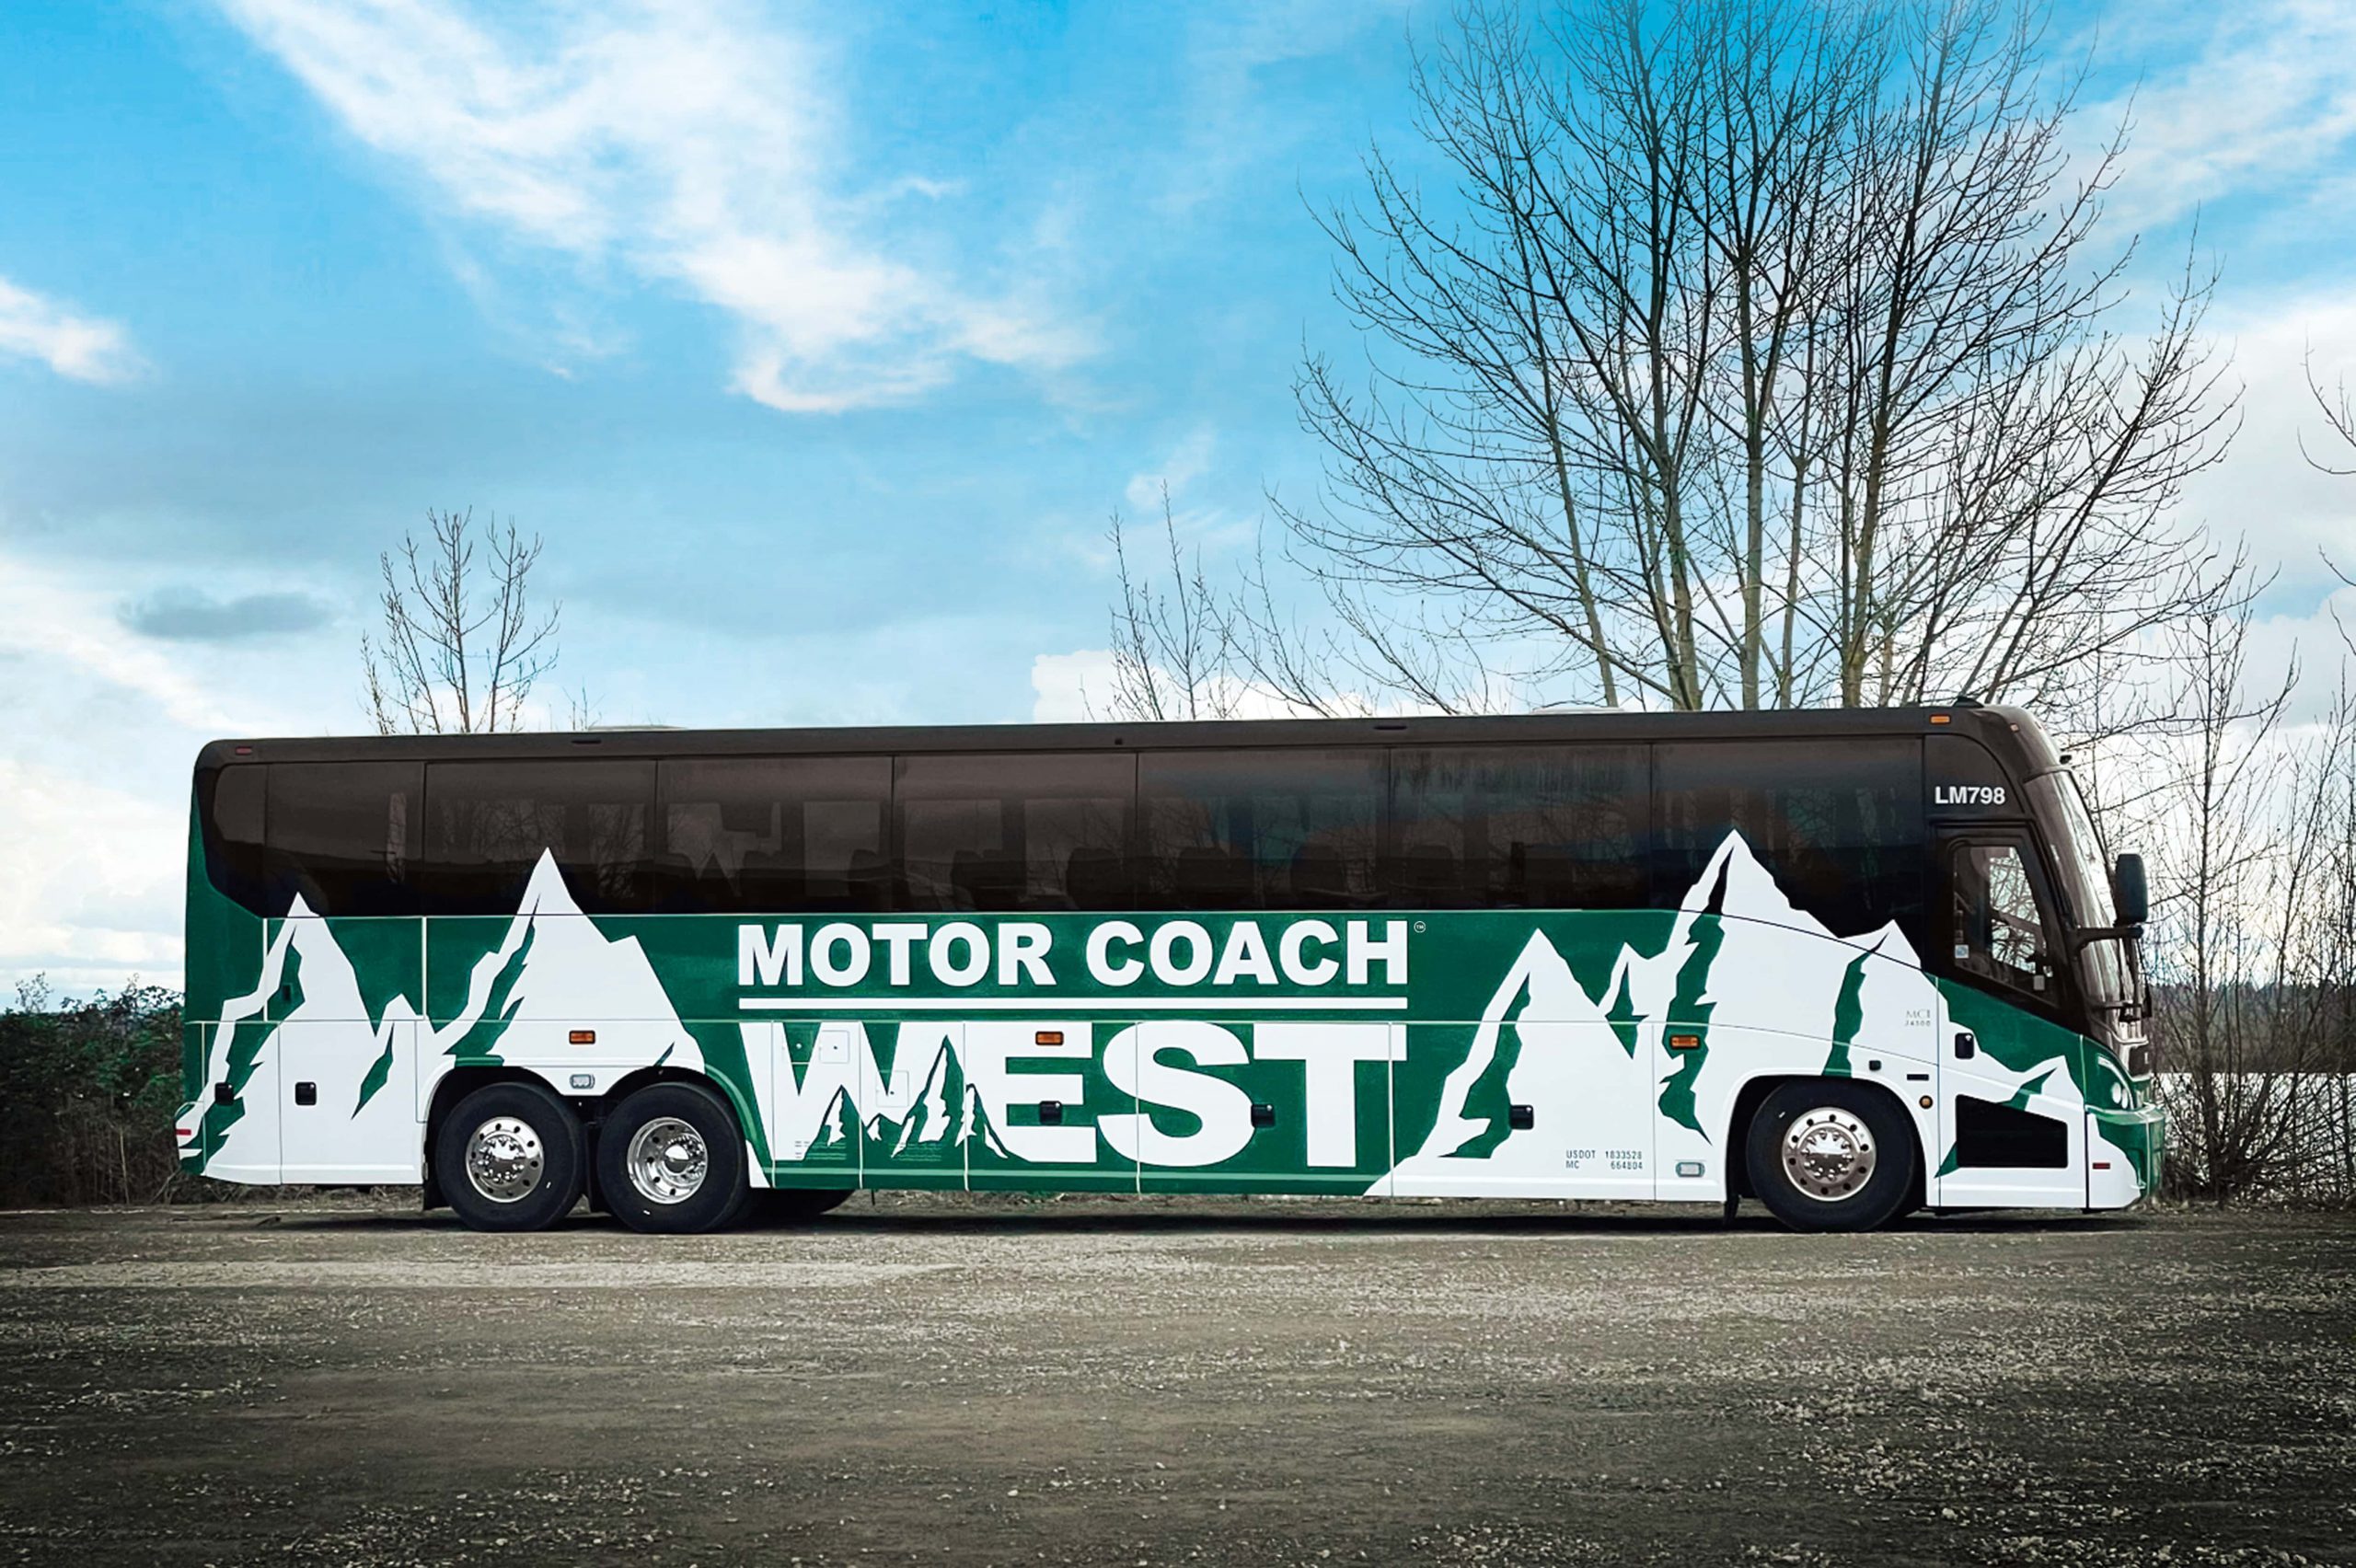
2009 732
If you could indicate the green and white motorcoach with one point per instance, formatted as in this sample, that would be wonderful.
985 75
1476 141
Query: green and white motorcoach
1849 962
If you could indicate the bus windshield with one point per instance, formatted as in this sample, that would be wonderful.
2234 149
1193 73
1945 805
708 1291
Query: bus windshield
2061 802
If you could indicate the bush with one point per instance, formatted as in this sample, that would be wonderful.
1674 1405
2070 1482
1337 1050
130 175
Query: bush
88 1090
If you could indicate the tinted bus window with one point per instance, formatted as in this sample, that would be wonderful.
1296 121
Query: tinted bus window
343 836
229 802
1279 829
1036 831
1837 822
749 835
1544 827
488 824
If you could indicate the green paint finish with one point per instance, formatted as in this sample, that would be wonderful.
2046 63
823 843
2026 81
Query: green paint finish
2021 1096
224 954
480 1042
248 1037
379 1071
2020 1042
723 1048
388 958
1622 1011
1690 1012
1488 1099
2142 1135
1848 1016
455 946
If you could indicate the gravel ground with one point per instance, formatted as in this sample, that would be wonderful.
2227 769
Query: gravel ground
1107 1381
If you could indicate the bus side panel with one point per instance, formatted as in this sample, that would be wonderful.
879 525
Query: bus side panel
226 953
344 1012
1054 1108
2012 1129
1265 1105
809 1122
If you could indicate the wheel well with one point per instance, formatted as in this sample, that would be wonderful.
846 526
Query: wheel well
1754 1094
456 1085
459 1082
623 1087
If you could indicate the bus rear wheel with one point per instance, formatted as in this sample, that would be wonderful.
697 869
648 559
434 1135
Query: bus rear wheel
1829 1154
670 1162
508 1158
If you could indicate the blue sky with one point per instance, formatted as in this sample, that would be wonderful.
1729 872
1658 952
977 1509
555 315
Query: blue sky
818 340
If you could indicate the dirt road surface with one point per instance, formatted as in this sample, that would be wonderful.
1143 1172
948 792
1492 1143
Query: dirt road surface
1100 1381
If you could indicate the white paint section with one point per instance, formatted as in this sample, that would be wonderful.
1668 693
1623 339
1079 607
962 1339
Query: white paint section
248 1148
562 974
1329 1055
1134 1063
1589 1100
991 1049
1772 993
328 1042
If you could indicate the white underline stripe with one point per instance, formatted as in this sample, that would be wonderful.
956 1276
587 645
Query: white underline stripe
1111 1007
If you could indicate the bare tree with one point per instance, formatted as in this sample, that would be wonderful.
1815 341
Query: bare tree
461 646
1173 646
1756 352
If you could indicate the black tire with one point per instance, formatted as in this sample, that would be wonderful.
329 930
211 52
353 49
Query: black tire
1851 1117
521 1124
794 1205
718 1191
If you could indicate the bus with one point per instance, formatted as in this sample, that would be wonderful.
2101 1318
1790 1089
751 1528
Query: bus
1850 964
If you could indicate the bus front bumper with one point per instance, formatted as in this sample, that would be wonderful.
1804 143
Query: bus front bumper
2125 1153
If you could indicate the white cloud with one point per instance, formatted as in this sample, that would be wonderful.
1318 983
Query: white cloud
1186 463
70 634
93 890
1070 688
85 348
2263 98
1076 689
688 143
2266 491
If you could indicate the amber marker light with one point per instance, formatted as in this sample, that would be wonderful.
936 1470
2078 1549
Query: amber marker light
1049 1037
1684 1041
584 1037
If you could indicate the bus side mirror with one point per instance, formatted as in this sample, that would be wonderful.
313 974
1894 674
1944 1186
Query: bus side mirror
2130 891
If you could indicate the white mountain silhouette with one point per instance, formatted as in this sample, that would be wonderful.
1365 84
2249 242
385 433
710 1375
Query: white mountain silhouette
1775 979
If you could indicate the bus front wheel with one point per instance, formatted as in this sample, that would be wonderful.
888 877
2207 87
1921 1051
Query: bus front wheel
670 1161
508 1158
1829 1154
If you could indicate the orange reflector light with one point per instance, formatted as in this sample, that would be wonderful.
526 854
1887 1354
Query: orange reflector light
1049 1037
1925 1102
1942 718
2102 1164
1684 1041
584 1037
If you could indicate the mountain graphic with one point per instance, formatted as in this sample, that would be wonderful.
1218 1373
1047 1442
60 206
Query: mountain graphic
1742 969
842 1104
350 1052
552 970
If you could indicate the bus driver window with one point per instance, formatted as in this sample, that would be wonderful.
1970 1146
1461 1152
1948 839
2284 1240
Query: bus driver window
1994 922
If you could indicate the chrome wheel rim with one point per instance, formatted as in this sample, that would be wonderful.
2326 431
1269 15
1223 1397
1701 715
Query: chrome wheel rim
668 1161
1829 1154
504 1160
